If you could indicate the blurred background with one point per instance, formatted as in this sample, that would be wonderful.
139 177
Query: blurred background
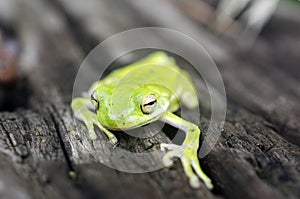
255 44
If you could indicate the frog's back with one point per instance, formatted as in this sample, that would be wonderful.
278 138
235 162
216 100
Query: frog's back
156 68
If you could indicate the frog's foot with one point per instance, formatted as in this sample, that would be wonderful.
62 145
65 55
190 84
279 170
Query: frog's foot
189 159
93 136
80 108
111 137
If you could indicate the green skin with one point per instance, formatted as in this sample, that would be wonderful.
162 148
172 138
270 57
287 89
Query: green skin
120 97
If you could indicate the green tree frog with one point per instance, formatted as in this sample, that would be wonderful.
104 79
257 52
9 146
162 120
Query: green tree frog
148 90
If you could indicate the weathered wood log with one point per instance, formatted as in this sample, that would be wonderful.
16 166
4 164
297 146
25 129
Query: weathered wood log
257 155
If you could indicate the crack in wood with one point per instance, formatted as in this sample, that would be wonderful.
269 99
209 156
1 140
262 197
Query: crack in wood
59 124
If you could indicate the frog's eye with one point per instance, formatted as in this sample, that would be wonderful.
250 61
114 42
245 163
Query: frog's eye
148 104
95 102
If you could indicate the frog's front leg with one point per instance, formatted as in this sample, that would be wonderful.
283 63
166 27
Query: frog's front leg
187 152
80 108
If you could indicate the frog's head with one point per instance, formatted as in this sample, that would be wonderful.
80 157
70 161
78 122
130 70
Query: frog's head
127 110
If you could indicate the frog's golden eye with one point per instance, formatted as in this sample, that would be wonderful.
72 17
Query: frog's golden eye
148 104
95 102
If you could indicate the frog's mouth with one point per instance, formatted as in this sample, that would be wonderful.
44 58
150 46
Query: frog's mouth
156 115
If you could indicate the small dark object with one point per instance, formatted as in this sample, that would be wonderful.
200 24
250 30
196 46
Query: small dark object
8 61
9 70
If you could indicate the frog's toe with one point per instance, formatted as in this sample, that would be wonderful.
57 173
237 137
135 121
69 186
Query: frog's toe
193 170
194 182
167 161
168 157
196 166
113 140
164 147
92 135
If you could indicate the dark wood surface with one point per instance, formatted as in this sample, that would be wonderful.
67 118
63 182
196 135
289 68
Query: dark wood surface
257 155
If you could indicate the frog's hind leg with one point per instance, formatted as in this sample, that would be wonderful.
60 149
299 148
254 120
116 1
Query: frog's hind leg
80 108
